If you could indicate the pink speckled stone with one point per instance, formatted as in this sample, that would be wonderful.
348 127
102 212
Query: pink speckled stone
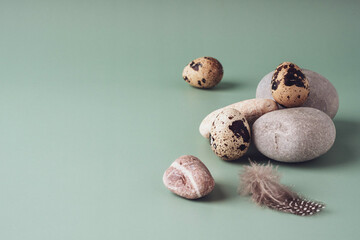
189 178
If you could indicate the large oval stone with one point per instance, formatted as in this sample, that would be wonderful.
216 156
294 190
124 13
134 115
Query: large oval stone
188 177
323 95
294 134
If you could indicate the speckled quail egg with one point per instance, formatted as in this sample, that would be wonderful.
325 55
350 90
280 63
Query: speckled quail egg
204 72
230 135
289 85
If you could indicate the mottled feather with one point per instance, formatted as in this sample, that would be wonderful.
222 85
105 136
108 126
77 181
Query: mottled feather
262 182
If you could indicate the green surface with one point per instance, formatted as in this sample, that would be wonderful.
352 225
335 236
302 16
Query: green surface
93 109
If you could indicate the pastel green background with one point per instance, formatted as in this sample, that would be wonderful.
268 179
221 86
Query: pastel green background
93 109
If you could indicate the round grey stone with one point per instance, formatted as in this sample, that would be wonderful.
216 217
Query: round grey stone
294 134
323 95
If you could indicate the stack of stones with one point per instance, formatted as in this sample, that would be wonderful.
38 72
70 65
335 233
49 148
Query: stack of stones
299 133
290 120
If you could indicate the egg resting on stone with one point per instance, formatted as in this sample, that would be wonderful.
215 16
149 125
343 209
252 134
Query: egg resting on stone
289 86
230 135
204 72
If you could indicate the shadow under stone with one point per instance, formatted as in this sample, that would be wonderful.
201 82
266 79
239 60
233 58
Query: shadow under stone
215 196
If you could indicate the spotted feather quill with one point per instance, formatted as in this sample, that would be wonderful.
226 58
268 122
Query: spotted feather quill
262 182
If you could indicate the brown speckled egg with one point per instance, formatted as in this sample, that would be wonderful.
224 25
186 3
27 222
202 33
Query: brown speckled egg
204 72
289 85
230 135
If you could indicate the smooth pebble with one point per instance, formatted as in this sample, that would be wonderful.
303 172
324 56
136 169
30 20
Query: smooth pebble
294 134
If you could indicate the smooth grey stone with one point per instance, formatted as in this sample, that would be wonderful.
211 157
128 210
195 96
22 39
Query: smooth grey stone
323 95
294 134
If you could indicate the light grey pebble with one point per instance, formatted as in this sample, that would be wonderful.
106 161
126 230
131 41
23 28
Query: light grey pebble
294 134
323 95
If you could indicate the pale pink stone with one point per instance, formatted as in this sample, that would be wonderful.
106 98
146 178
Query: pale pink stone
188 177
